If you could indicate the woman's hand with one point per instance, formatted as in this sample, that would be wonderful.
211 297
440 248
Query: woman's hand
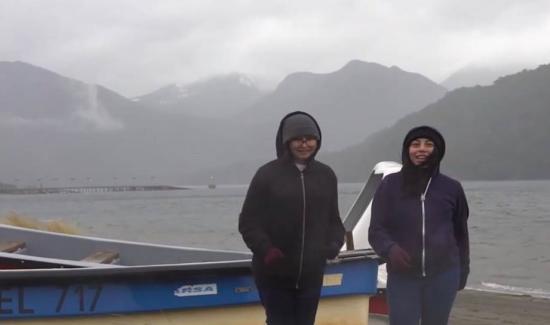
272 256
399 258
464 272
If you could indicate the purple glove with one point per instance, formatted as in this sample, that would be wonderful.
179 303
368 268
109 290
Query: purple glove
399 259
272 256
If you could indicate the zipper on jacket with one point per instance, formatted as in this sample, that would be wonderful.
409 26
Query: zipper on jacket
303 228
423 199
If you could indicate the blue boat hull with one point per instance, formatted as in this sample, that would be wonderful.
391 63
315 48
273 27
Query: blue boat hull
86 293
349 310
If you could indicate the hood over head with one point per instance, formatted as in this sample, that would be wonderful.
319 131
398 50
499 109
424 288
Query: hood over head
427 132
415 178
293 125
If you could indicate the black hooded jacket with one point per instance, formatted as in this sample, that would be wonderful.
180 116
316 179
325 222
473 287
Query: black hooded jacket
294 211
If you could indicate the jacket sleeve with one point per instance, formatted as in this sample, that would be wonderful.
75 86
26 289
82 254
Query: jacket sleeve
336 231
379 237
252 215
460 219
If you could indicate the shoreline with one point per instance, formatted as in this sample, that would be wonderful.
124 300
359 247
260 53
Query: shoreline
491 308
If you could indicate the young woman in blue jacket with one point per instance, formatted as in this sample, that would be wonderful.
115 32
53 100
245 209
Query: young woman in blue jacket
419 226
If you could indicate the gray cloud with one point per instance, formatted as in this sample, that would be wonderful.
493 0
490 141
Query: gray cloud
136 46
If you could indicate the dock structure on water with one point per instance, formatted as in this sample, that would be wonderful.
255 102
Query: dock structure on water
90 189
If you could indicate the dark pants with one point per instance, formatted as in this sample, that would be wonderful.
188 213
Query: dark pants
429 300
290 306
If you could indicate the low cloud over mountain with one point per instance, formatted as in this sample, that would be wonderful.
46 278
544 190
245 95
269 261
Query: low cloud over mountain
53 127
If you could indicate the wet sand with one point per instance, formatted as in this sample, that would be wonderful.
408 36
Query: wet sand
486 308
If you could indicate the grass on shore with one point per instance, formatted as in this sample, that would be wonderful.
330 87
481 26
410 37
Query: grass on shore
13 218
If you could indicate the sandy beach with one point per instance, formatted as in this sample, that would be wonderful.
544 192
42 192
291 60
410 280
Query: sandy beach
486 308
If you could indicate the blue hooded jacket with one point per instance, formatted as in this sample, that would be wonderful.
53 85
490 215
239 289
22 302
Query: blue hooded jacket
440 233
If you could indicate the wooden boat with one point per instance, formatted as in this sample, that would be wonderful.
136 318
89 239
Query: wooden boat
52 278
152 283
357 219
357 222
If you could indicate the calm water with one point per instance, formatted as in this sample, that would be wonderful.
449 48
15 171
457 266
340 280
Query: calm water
509 224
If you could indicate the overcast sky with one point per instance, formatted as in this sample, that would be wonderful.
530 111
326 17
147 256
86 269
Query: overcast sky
137 46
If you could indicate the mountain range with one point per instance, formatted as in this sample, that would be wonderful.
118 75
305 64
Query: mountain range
205 98
496 132
481 75
58 131
350 103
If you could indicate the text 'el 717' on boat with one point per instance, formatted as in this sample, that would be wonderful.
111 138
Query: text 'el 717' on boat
53 278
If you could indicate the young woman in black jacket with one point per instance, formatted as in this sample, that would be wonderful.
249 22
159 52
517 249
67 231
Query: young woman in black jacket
290 221
419 225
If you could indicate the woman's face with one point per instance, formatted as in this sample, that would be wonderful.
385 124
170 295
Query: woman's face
420 150
303 147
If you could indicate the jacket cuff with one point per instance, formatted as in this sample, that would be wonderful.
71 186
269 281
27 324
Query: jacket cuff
263 249
385 253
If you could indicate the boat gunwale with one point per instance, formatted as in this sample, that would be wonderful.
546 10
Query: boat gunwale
154 271
123 271
118 241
